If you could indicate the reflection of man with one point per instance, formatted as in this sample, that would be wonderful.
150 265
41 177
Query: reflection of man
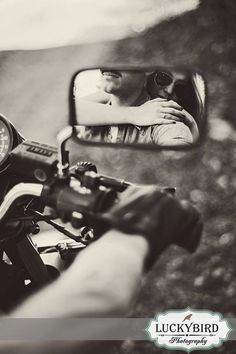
126 88
132 116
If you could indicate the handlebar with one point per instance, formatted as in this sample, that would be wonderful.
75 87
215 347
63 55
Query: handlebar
65 199
78 191
71 198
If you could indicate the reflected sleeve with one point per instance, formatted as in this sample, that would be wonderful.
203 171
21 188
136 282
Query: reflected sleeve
172 134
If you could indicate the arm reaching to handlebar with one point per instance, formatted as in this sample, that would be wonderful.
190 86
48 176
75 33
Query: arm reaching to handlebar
157 215
91 287
143 223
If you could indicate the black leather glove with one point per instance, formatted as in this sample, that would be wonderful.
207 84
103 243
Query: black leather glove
158 216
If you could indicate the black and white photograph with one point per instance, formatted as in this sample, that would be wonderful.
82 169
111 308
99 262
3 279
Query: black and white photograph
117 176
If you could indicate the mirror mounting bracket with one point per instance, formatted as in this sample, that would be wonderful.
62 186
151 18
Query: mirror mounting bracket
63 155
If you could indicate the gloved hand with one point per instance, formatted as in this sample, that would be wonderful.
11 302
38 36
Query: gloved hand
158 216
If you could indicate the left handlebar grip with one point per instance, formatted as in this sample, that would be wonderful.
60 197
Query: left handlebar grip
66 200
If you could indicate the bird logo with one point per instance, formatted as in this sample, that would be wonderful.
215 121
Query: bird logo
188 317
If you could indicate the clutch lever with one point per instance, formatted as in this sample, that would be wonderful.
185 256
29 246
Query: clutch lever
87 174
119 185
59 227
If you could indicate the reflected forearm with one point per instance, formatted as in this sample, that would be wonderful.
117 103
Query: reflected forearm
94 114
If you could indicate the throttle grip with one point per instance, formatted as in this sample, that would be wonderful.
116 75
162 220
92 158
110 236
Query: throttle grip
156 214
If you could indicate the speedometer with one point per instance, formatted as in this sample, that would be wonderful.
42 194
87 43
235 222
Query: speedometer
6 139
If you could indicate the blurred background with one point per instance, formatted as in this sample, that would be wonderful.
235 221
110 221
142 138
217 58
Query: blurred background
34 96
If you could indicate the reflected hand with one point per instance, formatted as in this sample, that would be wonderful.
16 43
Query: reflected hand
161 111
158 111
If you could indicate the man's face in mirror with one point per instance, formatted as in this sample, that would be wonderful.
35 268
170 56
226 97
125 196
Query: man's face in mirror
170 84
121 83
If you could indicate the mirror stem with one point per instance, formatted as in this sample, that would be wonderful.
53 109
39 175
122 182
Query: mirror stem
63 155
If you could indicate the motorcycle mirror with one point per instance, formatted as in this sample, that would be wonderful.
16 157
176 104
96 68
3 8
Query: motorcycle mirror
149 107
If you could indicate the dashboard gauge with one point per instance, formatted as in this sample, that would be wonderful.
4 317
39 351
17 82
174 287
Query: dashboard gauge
6 139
